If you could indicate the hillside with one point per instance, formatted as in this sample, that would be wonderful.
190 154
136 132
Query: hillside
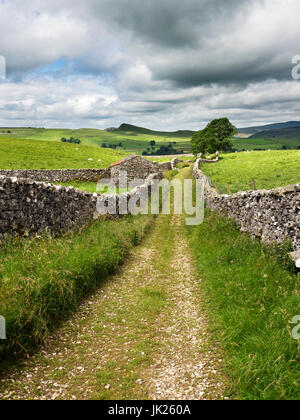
33 154
292 133
251 143
277 126
135 140
128 128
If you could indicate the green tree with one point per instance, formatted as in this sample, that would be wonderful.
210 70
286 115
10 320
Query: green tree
215 137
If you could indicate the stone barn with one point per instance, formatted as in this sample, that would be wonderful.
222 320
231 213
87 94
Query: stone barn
135 166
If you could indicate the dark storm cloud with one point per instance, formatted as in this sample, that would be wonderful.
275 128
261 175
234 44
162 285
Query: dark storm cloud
169 24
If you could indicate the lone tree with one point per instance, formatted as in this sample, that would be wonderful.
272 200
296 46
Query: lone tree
215 137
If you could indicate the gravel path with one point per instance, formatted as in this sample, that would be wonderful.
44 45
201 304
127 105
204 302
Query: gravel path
144 335
187 368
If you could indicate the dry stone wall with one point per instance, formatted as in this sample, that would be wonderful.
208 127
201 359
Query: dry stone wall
105 199
59 175
29 207
272 215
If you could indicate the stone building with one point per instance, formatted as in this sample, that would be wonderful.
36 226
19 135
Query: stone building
136 167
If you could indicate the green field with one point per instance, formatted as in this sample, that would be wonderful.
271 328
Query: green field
235 172
263 143
132 141
28 154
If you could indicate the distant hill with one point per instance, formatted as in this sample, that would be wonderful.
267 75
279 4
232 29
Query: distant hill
290 133
270 127
128 128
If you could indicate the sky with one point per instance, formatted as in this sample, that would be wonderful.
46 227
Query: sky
160 64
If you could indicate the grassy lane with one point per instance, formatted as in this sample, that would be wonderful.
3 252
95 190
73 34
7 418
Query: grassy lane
143 335
155 329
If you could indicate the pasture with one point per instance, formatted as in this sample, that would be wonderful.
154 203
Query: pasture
28 154
241 144
235 172
125 141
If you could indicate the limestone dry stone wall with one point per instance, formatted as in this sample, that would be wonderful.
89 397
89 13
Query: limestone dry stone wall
105 200
30 207
272 215
59 175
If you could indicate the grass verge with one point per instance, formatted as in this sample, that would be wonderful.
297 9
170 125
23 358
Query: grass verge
251 298
42 280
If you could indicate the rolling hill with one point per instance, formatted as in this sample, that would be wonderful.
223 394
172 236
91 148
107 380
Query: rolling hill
128 128
263 128
126 138
292 133
272 136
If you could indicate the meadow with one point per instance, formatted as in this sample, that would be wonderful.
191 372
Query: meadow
28 154
265 143
236 172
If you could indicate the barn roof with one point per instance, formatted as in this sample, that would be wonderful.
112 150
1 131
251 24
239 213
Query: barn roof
126 159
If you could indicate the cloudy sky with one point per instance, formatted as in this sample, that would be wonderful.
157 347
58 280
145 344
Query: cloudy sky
162 64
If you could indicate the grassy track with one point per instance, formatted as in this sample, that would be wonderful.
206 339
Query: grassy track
142 336
174 325
235 172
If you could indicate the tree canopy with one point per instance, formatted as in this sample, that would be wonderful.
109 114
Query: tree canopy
216 136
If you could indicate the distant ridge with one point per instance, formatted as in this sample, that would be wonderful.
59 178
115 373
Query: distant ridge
268 127
289 133
285 131
140 130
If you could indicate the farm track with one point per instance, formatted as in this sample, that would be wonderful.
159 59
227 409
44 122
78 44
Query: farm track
144 335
